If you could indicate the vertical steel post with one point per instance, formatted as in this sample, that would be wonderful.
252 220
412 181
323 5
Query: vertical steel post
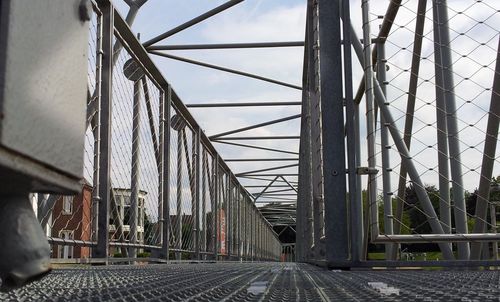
405 156
204 174
134 171
96 131
384 139
370 120
165 127
493 218
161 176
410 109
304 196
252 231
178 222
442 130
460 211
359 193
229 218
315 108
244 225
260 235
356 207
332 134
105 95
196 175
490 147
238 222
216 205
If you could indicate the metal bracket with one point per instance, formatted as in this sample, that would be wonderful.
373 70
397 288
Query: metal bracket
366 171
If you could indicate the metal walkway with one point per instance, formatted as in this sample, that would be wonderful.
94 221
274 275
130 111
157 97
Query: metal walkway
256 282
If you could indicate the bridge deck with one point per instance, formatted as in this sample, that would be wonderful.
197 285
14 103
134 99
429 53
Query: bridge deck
255 282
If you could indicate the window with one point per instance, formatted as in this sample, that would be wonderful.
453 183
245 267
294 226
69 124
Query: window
67 205
66 251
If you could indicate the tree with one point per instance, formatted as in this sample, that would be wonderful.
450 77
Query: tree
418 217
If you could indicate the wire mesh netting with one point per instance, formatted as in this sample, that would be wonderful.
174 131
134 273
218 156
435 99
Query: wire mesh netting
168 189
442 119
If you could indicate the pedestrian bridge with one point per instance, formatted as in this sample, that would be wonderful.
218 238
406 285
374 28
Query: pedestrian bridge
349 152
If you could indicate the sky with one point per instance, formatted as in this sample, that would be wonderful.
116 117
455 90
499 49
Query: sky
474 38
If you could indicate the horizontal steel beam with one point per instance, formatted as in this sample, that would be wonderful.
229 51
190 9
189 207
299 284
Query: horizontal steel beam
266 169
427 238
259 159
262 186
240 138
273 174
410 263
282 194
276 201
248 104
192 22
227 45
225 69
256 147
272 122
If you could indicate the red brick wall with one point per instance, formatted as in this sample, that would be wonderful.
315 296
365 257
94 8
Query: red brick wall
79 221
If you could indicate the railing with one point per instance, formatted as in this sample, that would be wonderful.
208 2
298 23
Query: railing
154 185
428 170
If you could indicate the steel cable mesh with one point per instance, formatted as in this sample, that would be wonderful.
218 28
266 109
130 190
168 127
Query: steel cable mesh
135 166
182 180
473 45
134 161
223 219
207 201
69 219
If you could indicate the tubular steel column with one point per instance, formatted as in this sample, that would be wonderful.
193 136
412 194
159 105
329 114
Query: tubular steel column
370 121
304 196
216 205
96 127
229 218
490 146
333 144
196 175
384 138
317 168
105 90
410 109
134 181
405 157
238 223
356 206
204 176
442 130
451 121
244 238
165 124
178 245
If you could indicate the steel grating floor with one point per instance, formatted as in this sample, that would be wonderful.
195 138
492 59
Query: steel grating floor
256 282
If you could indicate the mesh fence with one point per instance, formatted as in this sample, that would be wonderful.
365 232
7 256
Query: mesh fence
443 119
202 198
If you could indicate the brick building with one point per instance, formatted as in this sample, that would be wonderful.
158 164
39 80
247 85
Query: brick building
71 219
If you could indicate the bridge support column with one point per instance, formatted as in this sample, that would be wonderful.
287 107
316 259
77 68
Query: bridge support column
332 132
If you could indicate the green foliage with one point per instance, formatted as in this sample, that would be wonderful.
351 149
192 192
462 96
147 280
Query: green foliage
418 218
143 255
150 229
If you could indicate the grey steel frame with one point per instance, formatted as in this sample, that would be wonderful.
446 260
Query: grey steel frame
308 228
